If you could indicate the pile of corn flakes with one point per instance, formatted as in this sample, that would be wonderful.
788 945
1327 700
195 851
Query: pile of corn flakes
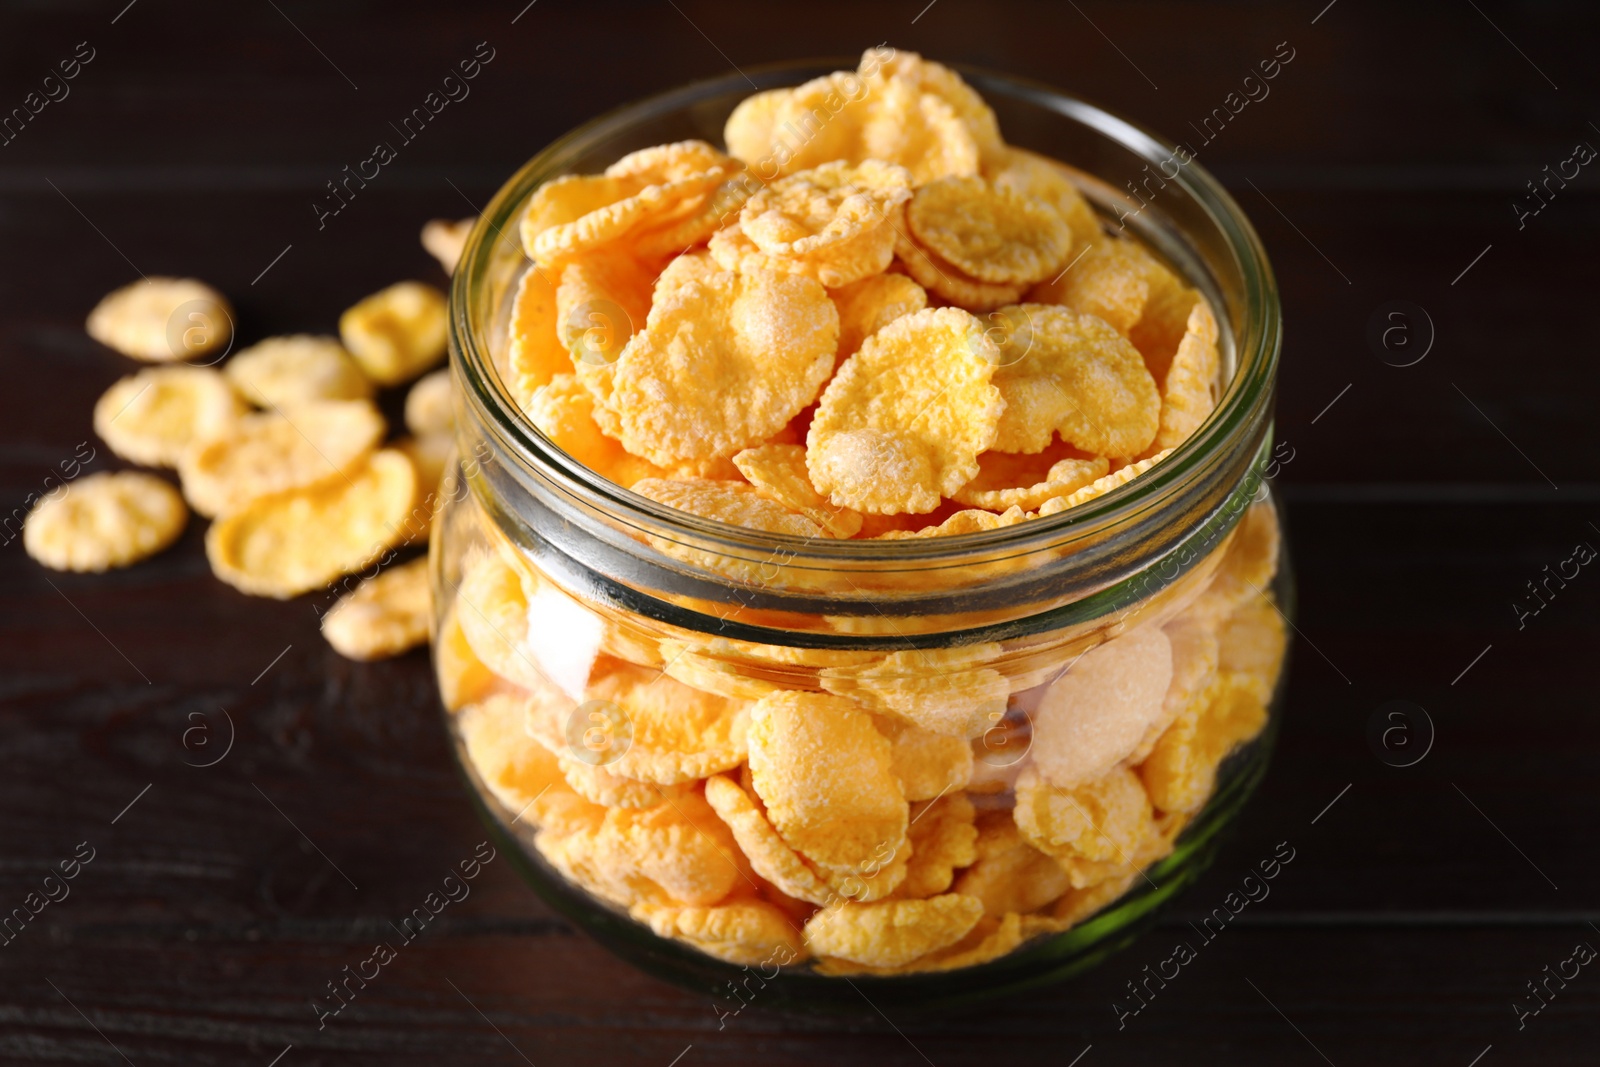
896 326
281 446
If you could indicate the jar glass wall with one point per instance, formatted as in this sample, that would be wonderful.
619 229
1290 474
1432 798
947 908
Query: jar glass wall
686 731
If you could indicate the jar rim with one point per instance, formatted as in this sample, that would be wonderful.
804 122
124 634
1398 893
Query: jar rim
1256 334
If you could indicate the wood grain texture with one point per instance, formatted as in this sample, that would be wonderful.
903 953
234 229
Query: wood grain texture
1388 155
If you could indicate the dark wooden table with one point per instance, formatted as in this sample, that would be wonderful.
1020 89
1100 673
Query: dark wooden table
1387 164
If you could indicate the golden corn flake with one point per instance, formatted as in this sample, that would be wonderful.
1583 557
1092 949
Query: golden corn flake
1182 768
162 319
1101 486
1252 642
947 85
943 838
602 301
598 785
749 130
703 217
1189 392
1194 674
937 274
1112 280
383 616
836 222
1008 874
428 454
270 452
946 690
731 502
861 256
723 364
285 544
678 733
152 416
535 354
991 234
445 238
972 520
769 855
1038 178
564 411
282 372
928 765
779 473
1023 480
654 186
675 852
867 306
689 267
429 404
1096 714
827 778
1061 372
1164 321
815 210
104 520
891 933
750 932
1091 829
491 606
903 422
1249 563
519 773
398 332
463 678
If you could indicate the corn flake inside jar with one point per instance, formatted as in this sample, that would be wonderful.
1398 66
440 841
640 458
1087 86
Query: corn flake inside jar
903 328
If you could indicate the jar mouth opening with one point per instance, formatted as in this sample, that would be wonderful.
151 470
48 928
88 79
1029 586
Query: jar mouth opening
1253 330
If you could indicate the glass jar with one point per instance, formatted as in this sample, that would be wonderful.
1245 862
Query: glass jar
602 657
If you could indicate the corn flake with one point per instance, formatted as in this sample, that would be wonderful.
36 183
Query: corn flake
1189 392
1092 830
943 838
867 306
162 319
1008 874
282 372
397 333
750 933
945 690
1023 480
1071 374
288 543
383 616
723 364
1101 486
152 416
826 776
731 502
779 473
1032 175
815 210
599 786
937 274
928 765
1096 714
991 234
535 354
903 422
104 520
1182 768
891 933
444 240
520 774
272 452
